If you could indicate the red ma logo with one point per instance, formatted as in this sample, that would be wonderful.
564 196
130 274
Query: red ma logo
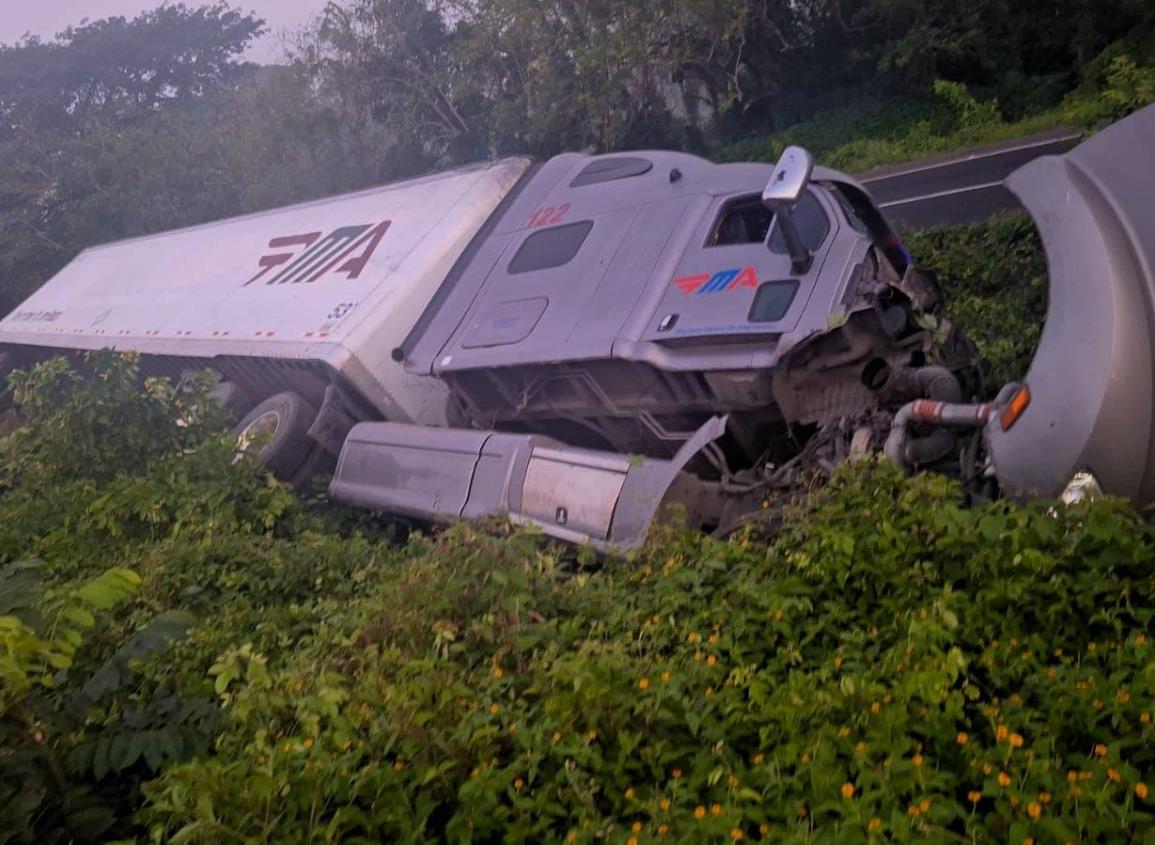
346 250
735 277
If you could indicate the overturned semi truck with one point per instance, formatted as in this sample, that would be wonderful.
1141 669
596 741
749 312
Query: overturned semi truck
583 343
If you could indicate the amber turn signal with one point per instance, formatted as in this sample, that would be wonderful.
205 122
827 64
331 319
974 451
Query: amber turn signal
1014 409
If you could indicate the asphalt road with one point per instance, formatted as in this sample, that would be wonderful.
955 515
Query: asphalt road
959 188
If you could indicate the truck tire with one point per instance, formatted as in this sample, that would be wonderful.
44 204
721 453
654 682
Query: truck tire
284 419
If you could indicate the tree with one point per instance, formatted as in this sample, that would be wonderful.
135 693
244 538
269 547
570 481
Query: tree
122 69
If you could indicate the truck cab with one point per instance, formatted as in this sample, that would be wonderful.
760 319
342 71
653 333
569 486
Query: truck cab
622 306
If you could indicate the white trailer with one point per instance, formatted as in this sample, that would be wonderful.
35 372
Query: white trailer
336 283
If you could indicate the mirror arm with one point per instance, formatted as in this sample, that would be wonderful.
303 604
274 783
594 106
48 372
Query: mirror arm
800 257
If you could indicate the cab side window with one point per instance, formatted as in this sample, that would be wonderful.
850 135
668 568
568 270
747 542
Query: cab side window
812 222
742 221
549 248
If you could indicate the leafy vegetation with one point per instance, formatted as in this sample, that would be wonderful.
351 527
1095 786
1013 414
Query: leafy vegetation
859 137
994 277
895 666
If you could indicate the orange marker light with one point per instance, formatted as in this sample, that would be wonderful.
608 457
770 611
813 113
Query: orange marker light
1014 409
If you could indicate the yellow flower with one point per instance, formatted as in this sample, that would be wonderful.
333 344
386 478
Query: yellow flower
962 738
1140 639
518 783
709 691
1017 740
758 758
986 768
844 732
875 707
1113 775
1001 733
1100 750
802 811
308 743
736 834
665 677
633 840
592 736
494 709
664 804
838 661
1072 776
399 766
636 827
572 837
677 773
711 660
663 829
713 638
715 809
974 796
848 790
912 811
1141 790
917 760
699 812
1004 779
764 829
1034 809
557 736
694 637
733 781
874 824
924 805
497 672
643 683
1044 797
629 793
1029 841
1144 718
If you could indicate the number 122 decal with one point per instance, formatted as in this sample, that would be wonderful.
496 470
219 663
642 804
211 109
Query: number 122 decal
551 215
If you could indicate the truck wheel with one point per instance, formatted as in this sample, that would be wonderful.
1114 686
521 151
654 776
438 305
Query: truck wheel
282 423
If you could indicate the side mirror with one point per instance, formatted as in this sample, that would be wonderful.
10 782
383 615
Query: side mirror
786 186
790 177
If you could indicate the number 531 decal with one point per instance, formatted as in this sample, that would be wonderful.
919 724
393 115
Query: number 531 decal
551 215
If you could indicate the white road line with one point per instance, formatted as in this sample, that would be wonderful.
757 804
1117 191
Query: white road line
940 194
970 158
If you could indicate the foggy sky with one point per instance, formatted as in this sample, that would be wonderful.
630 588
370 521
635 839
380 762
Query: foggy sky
48 17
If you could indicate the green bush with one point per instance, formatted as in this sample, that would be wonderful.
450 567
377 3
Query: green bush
994 276
863 136
895 667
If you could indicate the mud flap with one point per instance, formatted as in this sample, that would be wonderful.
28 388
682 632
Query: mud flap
1091 382
578 495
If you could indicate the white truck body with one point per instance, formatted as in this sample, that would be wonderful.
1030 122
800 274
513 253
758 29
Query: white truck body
339 281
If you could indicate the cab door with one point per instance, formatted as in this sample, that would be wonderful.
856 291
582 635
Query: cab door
736 275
